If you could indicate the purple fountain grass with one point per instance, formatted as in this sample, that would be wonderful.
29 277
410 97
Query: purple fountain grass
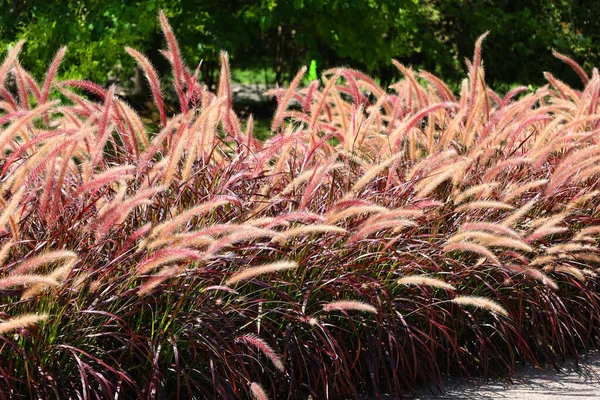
258 393
474 248
34 263
27 280
349 305
50 75
252 272
418 280
9 60
153 80
166 256
480 302
264 348
438 232
21 322
174 57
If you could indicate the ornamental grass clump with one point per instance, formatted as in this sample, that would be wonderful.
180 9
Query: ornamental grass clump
376 241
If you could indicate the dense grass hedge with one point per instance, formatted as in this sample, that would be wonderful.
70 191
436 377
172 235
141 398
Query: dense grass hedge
375 242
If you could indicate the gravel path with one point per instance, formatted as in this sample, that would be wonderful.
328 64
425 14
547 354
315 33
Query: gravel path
531 384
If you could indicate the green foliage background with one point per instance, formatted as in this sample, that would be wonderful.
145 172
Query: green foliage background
272 38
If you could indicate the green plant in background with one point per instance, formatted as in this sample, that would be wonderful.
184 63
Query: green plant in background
312 71
98 31
95 31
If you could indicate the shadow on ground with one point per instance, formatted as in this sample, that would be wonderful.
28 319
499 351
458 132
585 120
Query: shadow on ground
570 383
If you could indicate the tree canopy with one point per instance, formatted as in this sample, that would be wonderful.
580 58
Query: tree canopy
282 35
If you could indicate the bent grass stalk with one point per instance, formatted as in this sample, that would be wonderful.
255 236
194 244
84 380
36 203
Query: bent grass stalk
425 281
262 346
34 263
473 248
481 302
349 305
258 393
21 322
253 272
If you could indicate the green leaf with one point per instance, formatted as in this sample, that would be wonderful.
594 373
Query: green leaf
312 71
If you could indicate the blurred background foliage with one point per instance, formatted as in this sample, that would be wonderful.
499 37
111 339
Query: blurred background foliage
268 40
